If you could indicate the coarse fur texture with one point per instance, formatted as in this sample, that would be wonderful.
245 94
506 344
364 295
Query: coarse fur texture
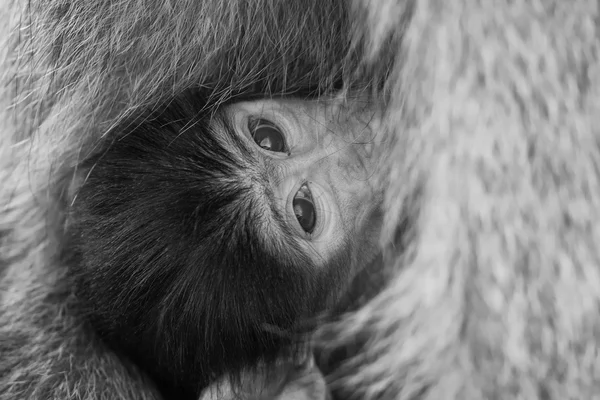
493 195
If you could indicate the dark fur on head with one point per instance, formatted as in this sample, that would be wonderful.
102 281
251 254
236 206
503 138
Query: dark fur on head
172 256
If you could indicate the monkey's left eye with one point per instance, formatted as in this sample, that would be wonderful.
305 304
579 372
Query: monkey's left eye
304 209
267 135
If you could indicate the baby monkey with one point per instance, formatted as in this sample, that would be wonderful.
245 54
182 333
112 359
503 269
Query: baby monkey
203 242
310 163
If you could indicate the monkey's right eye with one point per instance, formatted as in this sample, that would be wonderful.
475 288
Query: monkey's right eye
267 135
304 209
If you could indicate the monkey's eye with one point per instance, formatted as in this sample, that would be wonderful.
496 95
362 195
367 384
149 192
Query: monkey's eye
304 209
267 136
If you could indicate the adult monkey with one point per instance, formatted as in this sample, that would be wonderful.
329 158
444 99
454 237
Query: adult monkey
494 107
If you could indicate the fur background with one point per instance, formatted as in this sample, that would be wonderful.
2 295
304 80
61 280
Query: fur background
494 109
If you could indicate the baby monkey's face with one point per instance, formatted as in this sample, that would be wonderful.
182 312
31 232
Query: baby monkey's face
316 159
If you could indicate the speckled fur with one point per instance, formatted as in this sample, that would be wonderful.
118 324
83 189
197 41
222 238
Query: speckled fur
494 110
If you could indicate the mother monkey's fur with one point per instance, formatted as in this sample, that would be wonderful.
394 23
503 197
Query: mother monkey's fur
494 286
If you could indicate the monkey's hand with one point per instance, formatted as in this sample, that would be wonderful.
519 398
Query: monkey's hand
296 382
306 382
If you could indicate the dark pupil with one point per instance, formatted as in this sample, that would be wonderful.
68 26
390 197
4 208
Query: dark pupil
268 137
305 209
